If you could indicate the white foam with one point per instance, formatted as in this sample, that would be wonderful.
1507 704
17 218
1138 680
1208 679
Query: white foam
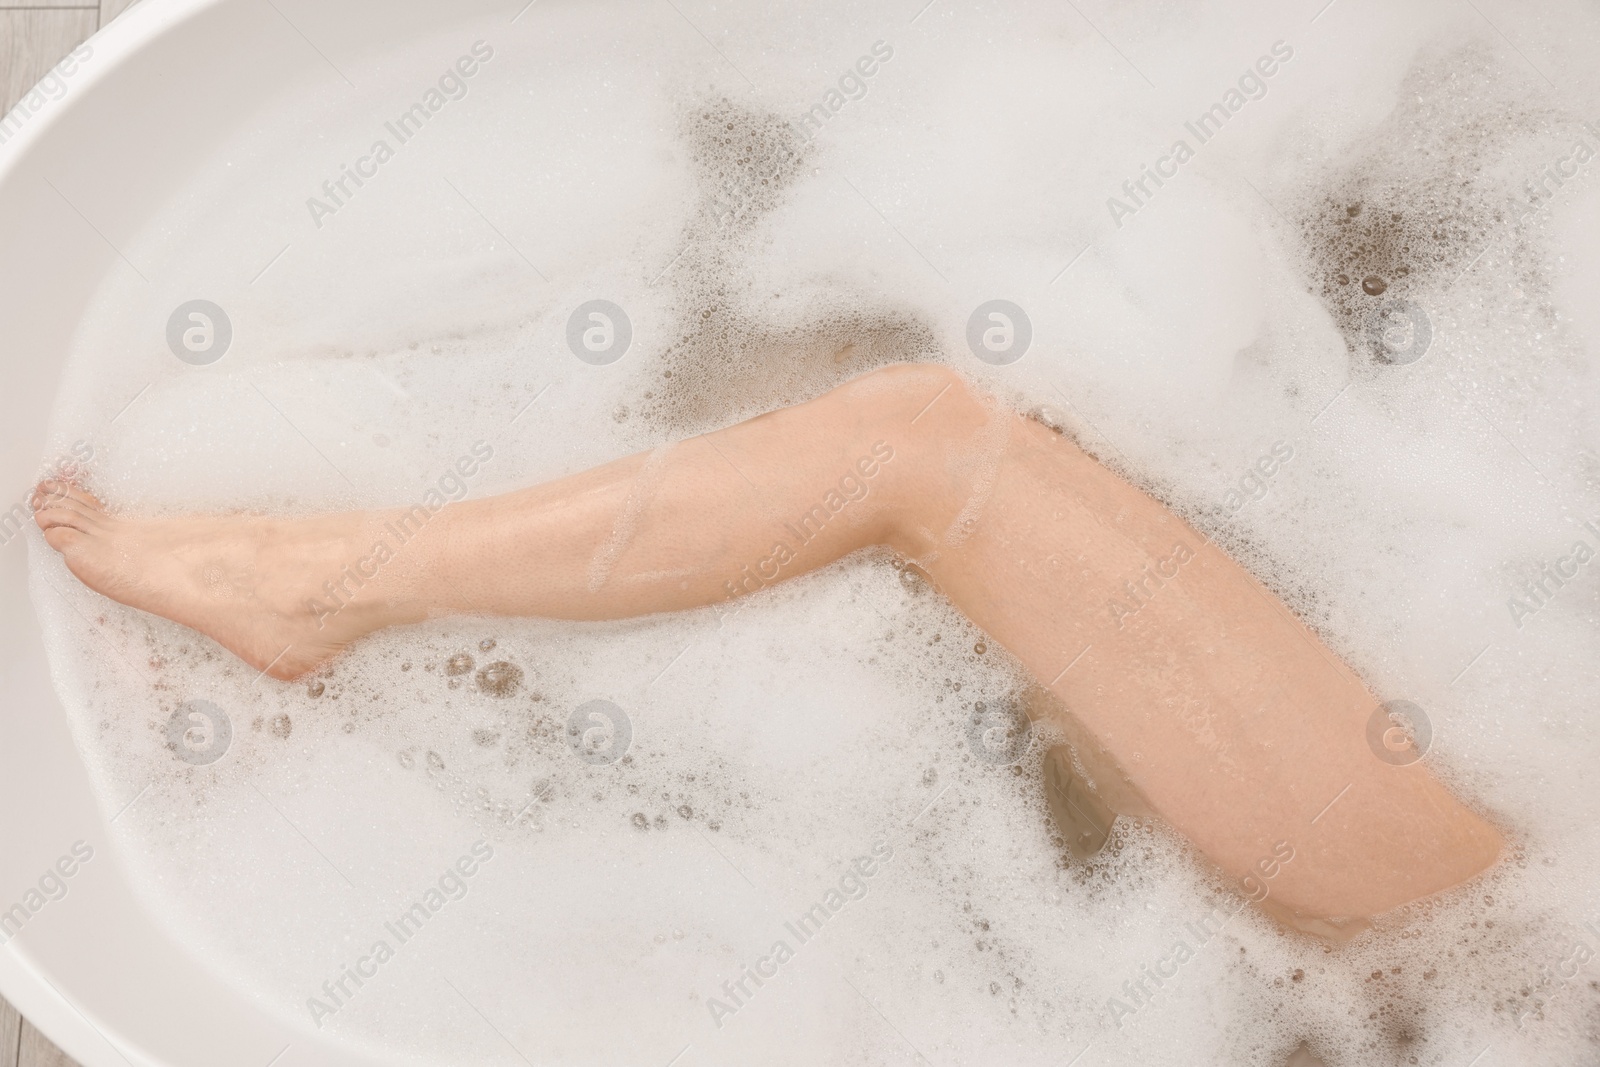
611 154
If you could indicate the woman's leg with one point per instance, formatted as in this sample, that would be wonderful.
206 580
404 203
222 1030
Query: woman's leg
690 524
1230 717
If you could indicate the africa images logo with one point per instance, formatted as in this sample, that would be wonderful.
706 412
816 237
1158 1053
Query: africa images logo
52 87
338 191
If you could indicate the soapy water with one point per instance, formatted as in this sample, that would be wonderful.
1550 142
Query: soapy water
1343 336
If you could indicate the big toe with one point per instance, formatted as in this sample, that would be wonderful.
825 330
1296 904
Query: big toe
64 539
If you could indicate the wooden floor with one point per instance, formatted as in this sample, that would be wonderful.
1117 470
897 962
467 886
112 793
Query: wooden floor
34 35
23 1046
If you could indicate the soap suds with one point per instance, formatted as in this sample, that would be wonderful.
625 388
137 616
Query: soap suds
663 794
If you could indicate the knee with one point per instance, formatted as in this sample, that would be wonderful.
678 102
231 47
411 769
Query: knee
942 433
918 400
925 411
904 376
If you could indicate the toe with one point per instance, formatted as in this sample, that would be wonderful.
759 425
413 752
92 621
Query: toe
63 538
83 498
63 503
44 494
65 514
52 491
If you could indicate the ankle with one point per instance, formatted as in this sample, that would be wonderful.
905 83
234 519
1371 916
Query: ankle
349 563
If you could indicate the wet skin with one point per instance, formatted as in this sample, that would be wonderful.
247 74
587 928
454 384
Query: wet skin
1224 713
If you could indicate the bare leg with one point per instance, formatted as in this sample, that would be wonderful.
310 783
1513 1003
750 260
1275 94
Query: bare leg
1235 723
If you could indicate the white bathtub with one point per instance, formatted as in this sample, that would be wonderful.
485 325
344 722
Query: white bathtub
93 970
160 96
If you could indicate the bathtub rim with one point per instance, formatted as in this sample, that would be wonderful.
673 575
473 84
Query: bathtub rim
23 978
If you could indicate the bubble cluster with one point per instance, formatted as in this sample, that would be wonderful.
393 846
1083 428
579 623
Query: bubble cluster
733 354
500 679
1409 210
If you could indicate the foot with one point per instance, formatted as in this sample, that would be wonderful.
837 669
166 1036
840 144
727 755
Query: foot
255 586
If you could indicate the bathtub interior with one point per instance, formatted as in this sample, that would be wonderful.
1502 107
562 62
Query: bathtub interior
94 970
1184 326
